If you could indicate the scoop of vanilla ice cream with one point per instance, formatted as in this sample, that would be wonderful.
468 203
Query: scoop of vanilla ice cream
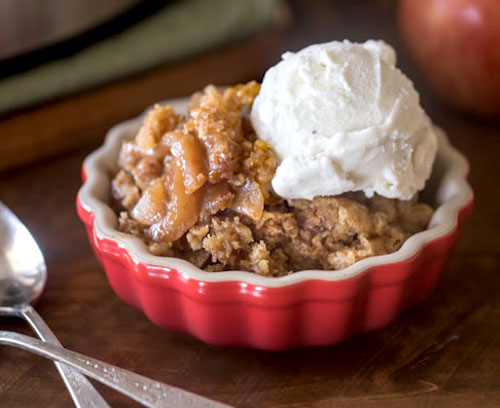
341 117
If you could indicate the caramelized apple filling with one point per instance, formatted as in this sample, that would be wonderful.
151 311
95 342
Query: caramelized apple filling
198 187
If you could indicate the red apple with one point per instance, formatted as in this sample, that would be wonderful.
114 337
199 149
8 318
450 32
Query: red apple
456 43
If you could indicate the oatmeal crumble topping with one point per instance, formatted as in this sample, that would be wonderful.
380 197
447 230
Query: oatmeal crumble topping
198 188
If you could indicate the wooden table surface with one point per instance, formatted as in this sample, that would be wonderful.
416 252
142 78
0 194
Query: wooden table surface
445 352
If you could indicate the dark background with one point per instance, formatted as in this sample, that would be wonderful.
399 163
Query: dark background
445 352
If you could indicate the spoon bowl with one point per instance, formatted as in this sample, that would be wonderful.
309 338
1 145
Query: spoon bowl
22 268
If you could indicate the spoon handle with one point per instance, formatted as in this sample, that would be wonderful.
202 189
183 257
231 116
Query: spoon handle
82 392
142 389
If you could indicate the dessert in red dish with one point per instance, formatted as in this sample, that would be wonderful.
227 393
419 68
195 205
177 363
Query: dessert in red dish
205 218
178 192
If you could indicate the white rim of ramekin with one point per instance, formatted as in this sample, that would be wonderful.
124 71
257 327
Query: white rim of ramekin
101 165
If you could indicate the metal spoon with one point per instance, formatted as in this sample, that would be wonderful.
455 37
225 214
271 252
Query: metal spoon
22 277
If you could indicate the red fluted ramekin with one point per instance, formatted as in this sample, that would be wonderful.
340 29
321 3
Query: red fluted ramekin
307 308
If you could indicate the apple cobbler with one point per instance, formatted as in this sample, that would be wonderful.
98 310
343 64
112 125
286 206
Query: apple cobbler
198 187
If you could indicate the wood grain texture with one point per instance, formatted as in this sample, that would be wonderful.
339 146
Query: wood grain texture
443 353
